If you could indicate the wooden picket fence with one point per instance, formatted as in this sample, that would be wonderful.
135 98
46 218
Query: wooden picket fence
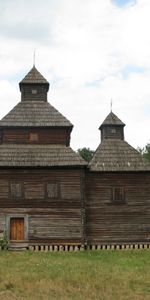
70 248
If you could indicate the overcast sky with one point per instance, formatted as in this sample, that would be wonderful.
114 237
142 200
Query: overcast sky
90 51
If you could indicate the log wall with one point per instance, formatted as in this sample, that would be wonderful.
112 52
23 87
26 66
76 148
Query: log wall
39 94
110 222
44 136
52 217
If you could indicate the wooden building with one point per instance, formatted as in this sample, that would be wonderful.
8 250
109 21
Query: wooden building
41 178
48 194
117 190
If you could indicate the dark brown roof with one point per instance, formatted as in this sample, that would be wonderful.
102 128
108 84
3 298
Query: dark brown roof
112 119
117 155
34 113
34 76
38 156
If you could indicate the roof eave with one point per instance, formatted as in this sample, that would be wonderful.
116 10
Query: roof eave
108 125
21 83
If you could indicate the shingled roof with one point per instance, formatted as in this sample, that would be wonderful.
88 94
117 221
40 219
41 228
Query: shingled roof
13 155
117 155
34 76
34 113
112 119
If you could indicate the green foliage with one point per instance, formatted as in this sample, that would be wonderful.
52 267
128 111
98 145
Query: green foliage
86 153
3 241
145 151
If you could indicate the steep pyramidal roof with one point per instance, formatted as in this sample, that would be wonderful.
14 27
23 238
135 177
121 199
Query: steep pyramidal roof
35 114
114 154
34 110
112 119
33 76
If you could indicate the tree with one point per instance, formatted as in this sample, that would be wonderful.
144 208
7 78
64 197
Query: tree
145 151
86 153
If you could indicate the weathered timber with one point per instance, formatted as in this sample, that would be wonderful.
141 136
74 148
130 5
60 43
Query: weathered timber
62 217
107 221
50 200
44 136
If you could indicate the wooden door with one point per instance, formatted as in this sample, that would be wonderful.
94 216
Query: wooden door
17 229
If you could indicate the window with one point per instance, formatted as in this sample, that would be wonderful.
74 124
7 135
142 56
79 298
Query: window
118 195
16 190
33 137
34 92
52 190
113 130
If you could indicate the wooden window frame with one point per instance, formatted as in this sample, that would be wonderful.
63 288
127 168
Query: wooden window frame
113 130
32 136
34 91
58 190
14 195
118 195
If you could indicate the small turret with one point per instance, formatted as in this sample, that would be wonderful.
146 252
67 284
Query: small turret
34 86
112 128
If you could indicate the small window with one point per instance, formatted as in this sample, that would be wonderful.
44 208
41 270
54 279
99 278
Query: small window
16 190
113 130
33 137
52 190
118 195
34 92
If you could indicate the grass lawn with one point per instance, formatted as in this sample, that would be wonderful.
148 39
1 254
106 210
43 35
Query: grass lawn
106 275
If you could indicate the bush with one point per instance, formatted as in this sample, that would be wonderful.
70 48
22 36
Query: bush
3 241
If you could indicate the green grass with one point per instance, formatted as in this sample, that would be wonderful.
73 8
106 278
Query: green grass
105 275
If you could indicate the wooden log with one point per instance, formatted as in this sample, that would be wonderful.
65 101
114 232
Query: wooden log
31 248
66 247
76 248
46 248
50 248
36 248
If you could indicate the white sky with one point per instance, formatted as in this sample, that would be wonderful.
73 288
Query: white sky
90 51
